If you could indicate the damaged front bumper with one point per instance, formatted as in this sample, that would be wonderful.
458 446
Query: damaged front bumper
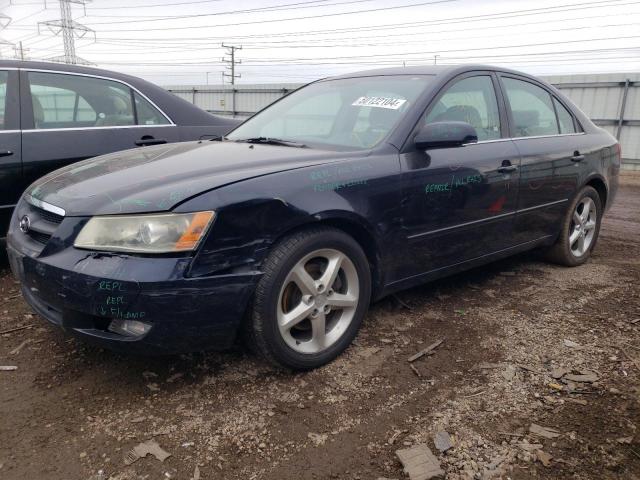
94 295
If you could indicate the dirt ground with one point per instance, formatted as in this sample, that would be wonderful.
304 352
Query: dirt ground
71 411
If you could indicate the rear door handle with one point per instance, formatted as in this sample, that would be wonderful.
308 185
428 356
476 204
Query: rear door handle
5 153
577 157
150 141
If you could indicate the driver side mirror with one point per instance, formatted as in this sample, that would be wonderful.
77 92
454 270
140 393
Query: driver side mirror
445 135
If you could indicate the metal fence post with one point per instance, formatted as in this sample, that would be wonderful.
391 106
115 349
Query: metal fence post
622 108
233 101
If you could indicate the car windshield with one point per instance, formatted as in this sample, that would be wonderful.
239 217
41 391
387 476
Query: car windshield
349 113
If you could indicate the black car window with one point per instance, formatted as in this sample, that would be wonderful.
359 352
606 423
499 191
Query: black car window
74 101
147 113
531 109
471 100
565 119
3 97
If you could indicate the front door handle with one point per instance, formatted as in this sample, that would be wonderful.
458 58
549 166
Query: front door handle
5 153
148 140
577 157
507 167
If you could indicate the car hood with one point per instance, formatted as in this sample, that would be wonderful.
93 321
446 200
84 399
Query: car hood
152 179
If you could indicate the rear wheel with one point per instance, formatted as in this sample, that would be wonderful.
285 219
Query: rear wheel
311 300
580 229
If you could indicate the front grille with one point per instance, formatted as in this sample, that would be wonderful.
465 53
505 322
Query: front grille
42 224
48 216
39 237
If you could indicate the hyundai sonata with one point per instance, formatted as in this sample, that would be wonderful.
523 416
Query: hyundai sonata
340 193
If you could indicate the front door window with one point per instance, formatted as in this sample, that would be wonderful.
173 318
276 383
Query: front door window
471 100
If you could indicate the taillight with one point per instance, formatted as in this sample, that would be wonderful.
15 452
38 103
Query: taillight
619 151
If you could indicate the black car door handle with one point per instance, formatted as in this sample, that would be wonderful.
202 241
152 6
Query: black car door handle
577 157
150 141
5 153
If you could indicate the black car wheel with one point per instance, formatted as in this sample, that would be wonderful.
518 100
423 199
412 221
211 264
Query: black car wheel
580 229
311 300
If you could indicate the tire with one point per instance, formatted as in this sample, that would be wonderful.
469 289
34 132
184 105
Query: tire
285 294
569 251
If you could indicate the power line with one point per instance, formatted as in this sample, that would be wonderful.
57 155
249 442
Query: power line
119 7
235 24
272 8
289 45
334 38
405 25
444 21
395 60
376 55
144 43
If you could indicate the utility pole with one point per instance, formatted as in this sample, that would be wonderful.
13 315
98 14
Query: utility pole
231 51
231 60
70 30
20 51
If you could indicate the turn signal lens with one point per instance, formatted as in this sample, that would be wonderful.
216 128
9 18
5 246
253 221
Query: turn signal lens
190 238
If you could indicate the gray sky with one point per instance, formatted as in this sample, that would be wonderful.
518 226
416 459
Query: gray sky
177 42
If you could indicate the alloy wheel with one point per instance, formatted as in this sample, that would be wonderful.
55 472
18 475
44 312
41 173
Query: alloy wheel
583 227
318 301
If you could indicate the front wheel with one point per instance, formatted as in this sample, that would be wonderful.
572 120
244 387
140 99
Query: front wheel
580 229
311 300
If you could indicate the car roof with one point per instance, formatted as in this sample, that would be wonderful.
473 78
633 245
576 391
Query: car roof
63 67
438 70
179 110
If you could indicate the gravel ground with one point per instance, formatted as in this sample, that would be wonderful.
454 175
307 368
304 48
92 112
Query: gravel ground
525 343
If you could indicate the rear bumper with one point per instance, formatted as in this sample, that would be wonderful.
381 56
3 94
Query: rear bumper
83 292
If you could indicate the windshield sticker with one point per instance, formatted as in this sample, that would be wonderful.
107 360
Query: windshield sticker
380 102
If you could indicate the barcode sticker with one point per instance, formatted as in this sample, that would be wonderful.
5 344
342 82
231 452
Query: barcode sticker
380 102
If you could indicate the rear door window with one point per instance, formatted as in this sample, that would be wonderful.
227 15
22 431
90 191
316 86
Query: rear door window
531 109
74 101
147 113
565 119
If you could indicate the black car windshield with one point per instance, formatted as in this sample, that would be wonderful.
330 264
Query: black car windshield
348 113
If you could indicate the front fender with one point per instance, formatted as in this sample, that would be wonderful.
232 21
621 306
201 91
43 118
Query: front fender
252 215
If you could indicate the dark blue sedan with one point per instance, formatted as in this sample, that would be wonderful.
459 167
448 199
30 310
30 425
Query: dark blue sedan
344 191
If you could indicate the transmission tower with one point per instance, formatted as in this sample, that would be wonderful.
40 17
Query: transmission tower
231 60
70 30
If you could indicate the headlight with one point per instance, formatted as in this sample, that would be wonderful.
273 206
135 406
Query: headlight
161 233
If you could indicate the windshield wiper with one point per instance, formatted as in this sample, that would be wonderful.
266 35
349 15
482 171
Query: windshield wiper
211 138
273 141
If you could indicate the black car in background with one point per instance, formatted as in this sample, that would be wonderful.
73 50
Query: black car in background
53 114
344 191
